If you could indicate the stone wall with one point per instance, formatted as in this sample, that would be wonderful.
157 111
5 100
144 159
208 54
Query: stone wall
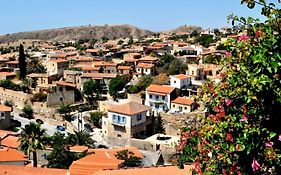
17 97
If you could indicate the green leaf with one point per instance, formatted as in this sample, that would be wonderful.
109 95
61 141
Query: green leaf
272 134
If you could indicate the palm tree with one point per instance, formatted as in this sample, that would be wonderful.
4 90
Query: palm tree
33 138
35 66
81 138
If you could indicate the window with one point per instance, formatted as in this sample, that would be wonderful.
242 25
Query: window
185 108
174 106
118 135
150 96
192 72
175 82
114 118
157 97
139 117
2 114
123 119
118 119
163 97
157 106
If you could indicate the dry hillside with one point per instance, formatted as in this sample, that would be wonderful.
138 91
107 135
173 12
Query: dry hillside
75 33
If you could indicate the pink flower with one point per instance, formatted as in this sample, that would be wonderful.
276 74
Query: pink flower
228 102
255 165
228 54
279 138
243 37
244 118
269 144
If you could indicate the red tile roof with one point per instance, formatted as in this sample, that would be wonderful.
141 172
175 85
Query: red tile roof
78 148
182 76
144 65
160 89
85 68
101 159
4 108
60 61
11 155
7 74
130 108
124 67
99 75
183 101
4 133
10 141
165 170
13 62
23 170
148 58
92 50
63 83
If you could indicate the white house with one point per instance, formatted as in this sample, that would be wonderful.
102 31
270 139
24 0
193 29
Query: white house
125 121
180 81
183 105
159 97
145 69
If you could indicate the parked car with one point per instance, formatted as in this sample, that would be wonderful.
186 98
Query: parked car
39 121
60 128
88 127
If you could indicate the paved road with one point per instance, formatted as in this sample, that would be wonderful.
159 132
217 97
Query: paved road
50 129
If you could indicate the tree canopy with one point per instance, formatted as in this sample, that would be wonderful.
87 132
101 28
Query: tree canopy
241 133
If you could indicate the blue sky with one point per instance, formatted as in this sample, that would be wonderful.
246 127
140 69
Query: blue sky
155 15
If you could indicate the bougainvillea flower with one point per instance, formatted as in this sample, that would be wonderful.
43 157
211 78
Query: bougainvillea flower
244 118
228 54
210 155
258 33
255 165
243 37
228 102
269 144
229 137
279 138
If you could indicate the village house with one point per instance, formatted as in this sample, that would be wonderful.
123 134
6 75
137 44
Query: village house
148 60
5 117
182 105
57 67
133 55
10 156
72 76
110 68
197 71
7 75
102 78
56 55
91 69
100 159
145 69
13 65
180 81
159 97
124 70
62 93
125 121
42 80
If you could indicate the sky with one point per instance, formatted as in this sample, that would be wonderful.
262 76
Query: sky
155 15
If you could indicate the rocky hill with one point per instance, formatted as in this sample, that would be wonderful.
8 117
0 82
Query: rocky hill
185 29
75 33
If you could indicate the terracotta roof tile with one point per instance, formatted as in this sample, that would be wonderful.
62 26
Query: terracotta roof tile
4 108
23 170
99 75
13 62
183 101
182 76
7 74
85 68
160 89
78 148
60 61
63 83
144 65
11 155
124 67
130 108
10 141
165 170
101 159
148 58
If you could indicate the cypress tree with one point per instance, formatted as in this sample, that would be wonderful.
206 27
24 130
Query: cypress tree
158 125
22 62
